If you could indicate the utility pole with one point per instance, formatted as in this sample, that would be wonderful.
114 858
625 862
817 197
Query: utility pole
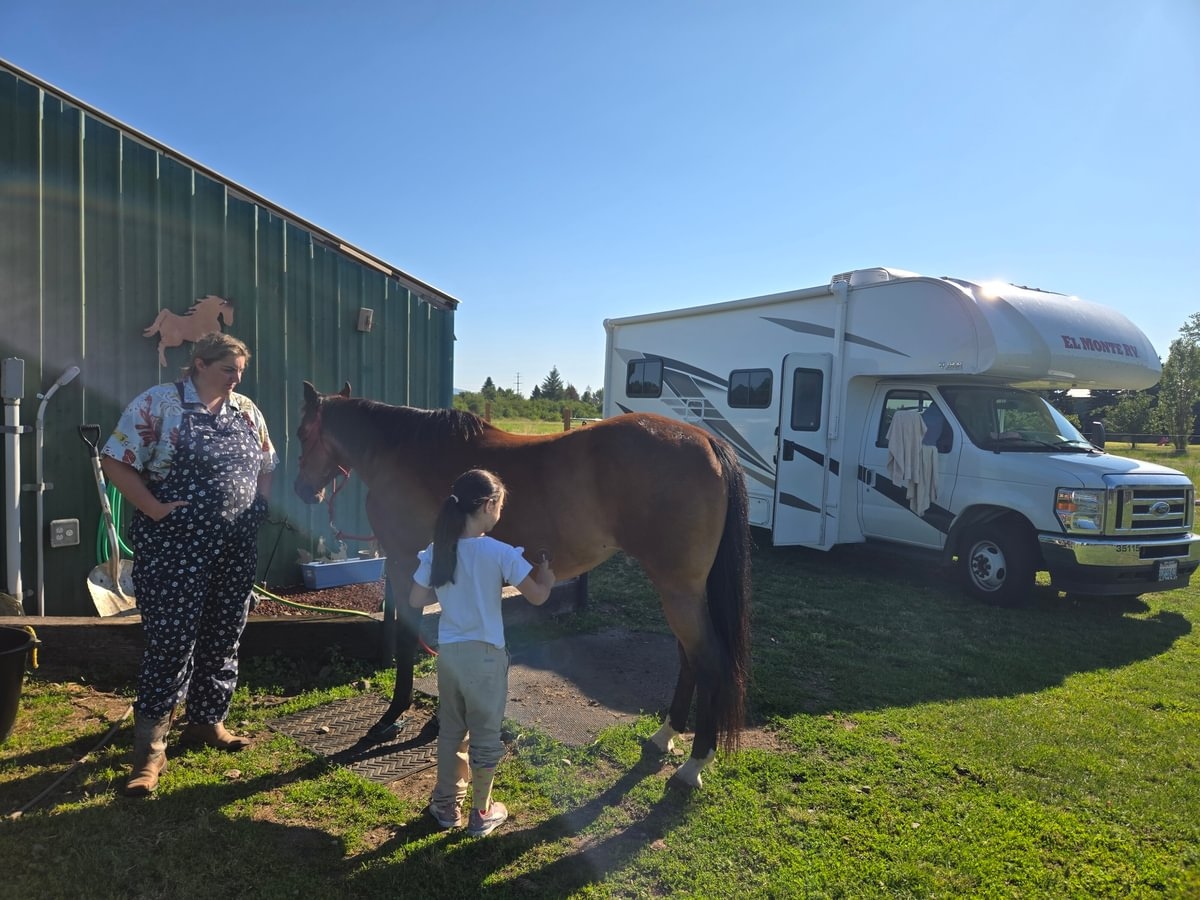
518 388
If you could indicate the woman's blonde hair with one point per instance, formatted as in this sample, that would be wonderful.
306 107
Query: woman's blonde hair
212 347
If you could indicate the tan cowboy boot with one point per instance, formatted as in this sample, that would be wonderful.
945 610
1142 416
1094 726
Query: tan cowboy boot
149 755
196 734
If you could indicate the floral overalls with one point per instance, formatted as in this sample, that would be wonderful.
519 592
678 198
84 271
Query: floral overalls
193 569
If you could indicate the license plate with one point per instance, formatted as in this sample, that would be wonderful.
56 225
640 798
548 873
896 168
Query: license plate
1168 569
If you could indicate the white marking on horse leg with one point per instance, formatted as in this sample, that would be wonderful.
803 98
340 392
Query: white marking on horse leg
664 738
689 772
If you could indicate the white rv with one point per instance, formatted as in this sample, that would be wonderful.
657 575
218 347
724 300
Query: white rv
897 407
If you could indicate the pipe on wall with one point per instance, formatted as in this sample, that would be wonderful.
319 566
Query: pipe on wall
41 487
12 388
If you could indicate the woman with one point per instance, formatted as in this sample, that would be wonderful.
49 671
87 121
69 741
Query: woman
195 460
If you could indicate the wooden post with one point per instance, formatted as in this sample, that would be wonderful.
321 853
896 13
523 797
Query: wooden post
487 410
566 417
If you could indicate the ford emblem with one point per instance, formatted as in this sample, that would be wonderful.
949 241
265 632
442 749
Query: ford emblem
1160 509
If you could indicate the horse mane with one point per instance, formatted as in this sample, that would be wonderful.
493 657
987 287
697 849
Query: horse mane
206 301
402 425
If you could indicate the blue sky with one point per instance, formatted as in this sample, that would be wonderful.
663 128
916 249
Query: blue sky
553 164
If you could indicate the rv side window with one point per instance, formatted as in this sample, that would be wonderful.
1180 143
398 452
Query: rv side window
750 388
644 378
806 399
937 433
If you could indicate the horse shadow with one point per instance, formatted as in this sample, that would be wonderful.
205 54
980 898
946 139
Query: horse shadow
586 863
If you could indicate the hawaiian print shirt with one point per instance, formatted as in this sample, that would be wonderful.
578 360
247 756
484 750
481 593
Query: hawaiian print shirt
148 431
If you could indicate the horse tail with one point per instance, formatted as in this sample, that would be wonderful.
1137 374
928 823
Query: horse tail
157 324
729 599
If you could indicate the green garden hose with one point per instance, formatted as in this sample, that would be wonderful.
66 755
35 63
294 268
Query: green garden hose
115 501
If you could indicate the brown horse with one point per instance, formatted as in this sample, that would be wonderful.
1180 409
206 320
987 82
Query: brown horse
666 493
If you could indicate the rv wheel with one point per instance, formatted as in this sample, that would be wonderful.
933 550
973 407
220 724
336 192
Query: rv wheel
998 564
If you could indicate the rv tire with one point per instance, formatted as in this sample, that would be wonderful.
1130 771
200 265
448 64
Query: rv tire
998 563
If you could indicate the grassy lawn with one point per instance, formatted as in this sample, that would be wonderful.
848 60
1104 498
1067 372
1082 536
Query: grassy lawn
919 745
529 426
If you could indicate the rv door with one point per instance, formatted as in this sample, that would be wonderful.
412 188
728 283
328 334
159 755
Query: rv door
802 470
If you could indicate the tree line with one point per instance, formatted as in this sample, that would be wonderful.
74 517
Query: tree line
1169 409
545 402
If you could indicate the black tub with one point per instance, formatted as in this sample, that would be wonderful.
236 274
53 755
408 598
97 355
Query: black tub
15 644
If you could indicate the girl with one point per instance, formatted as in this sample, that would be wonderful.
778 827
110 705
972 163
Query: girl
465 570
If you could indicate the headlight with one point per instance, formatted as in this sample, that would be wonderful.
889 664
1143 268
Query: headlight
1080 511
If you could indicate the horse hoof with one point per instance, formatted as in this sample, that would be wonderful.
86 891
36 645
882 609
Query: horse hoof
380 731
684 781
664 738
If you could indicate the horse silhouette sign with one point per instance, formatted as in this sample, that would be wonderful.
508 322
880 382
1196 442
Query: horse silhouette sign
172 329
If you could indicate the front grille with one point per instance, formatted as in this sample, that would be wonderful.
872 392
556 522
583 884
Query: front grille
1150 509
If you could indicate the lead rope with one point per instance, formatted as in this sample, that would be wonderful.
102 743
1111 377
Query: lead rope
337 532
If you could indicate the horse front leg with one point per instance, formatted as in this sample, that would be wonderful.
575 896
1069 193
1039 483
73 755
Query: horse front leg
407 636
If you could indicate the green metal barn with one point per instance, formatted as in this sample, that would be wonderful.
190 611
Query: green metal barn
102 228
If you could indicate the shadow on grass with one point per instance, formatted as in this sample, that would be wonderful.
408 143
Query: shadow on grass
857 630
177 843
181 842
458 864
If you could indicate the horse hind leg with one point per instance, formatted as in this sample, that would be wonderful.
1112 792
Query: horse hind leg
681 705
699 674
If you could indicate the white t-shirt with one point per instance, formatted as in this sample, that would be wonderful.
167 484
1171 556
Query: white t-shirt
471 603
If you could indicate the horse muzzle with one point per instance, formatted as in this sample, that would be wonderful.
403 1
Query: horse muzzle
306 492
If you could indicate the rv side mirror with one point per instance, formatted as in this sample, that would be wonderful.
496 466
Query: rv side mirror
1096 434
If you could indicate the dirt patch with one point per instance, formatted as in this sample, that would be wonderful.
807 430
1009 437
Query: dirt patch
570 688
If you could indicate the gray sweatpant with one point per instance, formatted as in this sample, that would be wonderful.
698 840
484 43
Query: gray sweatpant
472 693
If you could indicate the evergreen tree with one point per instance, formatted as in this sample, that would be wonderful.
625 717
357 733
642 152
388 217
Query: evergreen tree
489 388
552 386
536 393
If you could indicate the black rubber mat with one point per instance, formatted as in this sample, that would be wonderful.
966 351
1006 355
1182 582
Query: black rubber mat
338 731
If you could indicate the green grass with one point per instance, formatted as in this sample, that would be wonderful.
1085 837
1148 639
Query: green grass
1188 463
529 426
925 746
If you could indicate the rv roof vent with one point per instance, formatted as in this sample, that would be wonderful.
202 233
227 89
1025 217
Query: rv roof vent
871 276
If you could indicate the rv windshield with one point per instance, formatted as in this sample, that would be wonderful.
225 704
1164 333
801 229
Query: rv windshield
999 418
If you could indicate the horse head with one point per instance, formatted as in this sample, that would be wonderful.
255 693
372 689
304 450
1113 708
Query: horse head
319 461
217 307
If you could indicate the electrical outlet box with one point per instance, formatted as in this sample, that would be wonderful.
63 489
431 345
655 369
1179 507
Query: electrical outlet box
64 532
366 319
12 378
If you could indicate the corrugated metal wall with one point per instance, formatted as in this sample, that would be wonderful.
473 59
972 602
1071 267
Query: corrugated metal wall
100 228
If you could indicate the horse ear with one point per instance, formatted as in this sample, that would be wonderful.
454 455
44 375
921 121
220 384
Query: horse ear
346 389
311 397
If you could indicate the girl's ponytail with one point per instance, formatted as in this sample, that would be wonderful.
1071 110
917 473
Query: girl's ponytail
470 491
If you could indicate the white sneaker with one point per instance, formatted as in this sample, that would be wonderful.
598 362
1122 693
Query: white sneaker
483 823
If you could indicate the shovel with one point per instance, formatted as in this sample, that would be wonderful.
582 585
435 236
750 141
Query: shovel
110 583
